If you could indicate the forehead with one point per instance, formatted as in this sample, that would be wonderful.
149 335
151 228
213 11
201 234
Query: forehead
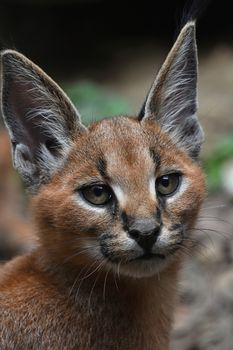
117 128
125 148
120 137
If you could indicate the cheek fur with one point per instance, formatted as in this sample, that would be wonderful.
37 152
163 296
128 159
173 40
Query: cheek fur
63 214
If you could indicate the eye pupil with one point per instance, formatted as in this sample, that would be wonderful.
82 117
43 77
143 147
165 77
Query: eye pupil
165 181
98 191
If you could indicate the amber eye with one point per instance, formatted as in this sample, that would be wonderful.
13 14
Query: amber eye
167 184
97 194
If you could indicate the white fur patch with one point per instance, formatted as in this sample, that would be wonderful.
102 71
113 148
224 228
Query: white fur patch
119 193
152 188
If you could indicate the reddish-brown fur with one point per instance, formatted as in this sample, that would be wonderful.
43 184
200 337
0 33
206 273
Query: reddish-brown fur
84 287
35 289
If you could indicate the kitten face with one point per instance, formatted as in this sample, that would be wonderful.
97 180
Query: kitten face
122 193
112 203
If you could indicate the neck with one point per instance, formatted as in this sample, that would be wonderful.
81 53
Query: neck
142 306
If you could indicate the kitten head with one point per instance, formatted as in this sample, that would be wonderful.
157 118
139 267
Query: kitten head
122 193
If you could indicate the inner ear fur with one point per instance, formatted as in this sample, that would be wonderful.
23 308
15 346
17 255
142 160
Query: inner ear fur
172 99
41 120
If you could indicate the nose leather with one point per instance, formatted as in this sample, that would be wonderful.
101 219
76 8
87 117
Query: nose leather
145 232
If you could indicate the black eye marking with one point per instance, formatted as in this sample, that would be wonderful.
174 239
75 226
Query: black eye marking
101 165
155 157
162 202
125 220
158 215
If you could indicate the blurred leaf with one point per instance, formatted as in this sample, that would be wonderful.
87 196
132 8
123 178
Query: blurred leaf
94 102
222 152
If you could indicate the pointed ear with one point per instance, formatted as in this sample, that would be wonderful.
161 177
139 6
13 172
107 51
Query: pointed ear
172 100
41 120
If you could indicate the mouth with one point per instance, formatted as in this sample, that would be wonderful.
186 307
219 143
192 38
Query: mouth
145 265
150 256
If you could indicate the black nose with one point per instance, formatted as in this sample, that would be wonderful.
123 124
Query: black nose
145 232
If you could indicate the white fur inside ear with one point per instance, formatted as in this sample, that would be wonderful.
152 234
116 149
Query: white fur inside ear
41 119
49 163
172 100
23 162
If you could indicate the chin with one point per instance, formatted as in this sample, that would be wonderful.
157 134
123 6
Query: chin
142 268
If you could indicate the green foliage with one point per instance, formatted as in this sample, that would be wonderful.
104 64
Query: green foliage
213 164
94 102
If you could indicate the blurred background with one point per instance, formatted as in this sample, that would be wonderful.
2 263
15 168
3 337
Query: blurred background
105 55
